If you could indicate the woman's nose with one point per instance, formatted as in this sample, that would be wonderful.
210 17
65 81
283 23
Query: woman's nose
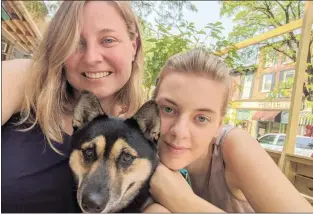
180 128
92 55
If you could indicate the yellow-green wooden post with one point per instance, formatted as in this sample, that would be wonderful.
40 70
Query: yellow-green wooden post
301 65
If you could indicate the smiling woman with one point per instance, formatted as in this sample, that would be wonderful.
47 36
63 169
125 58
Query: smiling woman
89 45
98 64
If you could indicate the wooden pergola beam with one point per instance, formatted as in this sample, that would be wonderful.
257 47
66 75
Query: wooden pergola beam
293 25
301 65
19 25
10 24
15 10
21 36
26 25
17 39
32 41
23 10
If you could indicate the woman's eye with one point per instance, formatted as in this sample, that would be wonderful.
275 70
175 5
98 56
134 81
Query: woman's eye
108 40
203 119
81 45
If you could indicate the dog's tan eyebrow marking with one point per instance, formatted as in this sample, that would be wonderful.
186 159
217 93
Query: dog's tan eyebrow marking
119 146
76 163
87 145
99 142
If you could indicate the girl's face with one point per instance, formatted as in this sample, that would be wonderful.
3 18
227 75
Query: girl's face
103 61
190 110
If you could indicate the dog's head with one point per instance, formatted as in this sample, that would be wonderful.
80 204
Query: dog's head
112 158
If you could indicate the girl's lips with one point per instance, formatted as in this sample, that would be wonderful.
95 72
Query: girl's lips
175 149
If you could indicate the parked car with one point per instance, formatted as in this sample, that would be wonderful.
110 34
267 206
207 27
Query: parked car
276 141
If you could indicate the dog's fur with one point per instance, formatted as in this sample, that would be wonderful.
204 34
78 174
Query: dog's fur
113 159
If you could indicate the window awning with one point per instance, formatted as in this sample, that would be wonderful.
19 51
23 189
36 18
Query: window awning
265 115
306 118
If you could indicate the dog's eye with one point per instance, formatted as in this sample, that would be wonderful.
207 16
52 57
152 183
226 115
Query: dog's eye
89 154
126 158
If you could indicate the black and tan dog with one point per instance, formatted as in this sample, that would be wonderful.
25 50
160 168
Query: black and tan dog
113 159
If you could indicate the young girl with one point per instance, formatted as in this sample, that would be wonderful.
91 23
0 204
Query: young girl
92 45
229 170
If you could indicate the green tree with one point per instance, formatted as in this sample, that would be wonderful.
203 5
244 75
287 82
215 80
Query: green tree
256 17
42 9
167 12
162 43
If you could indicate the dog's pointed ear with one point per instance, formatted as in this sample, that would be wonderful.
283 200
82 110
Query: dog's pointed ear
148 119
87 108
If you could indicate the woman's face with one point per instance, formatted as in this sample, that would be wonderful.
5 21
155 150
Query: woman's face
190 110
103 62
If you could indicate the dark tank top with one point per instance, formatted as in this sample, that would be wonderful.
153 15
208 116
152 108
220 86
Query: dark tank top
34 178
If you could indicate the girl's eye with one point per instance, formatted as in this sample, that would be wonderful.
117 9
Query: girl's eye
203 119
167 110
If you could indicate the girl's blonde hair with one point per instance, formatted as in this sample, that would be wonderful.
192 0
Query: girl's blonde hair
200 62
48 95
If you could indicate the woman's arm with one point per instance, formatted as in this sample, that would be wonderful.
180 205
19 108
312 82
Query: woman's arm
257 176
13 83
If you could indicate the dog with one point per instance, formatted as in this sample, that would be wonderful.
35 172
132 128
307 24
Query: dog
113 159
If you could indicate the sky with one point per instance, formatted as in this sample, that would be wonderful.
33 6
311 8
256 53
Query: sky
208 11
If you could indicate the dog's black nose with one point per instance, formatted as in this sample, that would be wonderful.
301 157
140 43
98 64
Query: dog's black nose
93 202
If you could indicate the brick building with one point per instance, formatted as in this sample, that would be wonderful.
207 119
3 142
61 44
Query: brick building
252 107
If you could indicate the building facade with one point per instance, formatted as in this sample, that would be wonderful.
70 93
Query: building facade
255 107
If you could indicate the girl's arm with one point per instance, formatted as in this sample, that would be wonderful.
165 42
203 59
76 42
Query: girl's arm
169 189
156 208
258 177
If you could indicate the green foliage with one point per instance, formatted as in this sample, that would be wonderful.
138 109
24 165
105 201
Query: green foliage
167 12
282 90
37 8
256 17
162 43
41 9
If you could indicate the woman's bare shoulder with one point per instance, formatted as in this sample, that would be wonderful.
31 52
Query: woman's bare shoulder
14 73
16 65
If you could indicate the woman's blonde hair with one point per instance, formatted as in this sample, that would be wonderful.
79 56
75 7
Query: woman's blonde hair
48 95
200 62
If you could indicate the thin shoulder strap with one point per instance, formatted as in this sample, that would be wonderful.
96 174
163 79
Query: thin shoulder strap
223 133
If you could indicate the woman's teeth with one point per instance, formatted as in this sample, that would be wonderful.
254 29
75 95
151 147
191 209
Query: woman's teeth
99 75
